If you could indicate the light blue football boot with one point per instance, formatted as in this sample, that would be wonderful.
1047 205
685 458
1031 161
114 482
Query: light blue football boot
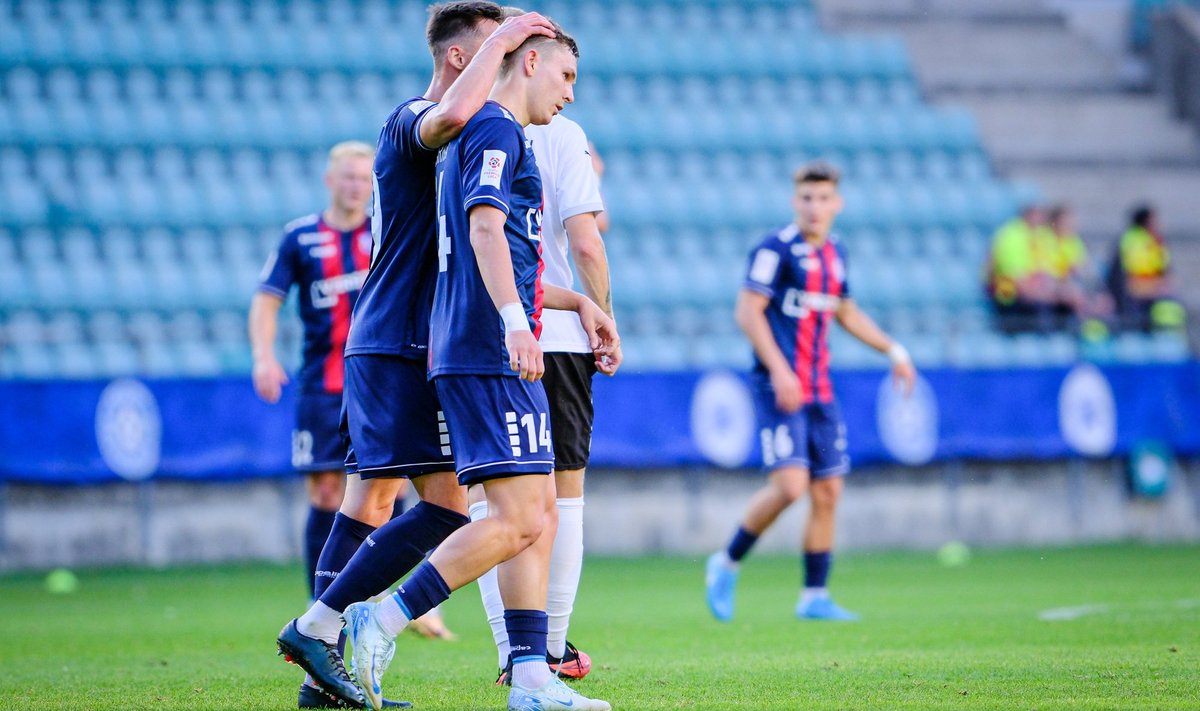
823 608
371 647
554 696
720 582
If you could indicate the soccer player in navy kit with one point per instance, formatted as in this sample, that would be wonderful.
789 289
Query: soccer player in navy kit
483 334
392 416
795 286
325 255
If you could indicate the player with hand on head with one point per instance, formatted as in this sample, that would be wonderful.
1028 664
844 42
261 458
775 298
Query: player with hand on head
486 364
392 416
796 285
570 228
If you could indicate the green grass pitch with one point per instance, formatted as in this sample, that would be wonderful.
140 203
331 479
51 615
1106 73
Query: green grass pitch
931 637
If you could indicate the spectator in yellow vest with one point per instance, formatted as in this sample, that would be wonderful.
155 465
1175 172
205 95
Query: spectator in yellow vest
1020 279
1074 274
1141 281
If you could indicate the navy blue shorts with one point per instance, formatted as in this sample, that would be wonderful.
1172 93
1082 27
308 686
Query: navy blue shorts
317 441
814 437
392 419
500 425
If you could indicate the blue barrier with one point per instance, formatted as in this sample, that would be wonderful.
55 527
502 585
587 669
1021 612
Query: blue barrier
64 432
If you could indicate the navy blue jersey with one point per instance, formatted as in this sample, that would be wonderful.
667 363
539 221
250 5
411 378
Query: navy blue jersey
805 283
392 314
328 266
490 163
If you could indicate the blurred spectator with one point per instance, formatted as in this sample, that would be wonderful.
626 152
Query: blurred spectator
1075 277
1020 281
1140 275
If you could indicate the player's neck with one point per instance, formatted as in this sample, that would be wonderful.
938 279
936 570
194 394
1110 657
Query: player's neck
511 96
439 85
814 238
343 220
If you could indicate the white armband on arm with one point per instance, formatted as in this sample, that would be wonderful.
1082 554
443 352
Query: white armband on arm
898 354
513 315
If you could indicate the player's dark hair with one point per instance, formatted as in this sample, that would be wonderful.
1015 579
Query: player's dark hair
817 172
450 21
560 37
1058 211
1141 215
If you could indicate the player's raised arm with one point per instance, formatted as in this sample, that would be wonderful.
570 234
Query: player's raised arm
751 316
858 324
468 93
495 267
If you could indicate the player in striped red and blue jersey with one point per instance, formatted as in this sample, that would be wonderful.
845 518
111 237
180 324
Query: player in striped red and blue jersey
795 288
325 255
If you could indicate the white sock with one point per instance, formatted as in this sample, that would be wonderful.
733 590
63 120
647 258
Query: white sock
811 594
533 674
566 564
320 622
493 605
392 618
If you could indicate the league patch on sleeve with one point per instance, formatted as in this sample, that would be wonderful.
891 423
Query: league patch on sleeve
493 168
766 263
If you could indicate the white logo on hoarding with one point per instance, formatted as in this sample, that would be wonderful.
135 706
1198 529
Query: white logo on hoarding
1087 411
129 429
908 425
722 419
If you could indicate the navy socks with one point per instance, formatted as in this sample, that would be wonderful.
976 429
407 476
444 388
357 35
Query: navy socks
345 537
316 532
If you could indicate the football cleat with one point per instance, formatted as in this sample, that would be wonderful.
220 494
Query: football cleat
313 698
372 650
823 608
322 662
720 582
574 664
554 696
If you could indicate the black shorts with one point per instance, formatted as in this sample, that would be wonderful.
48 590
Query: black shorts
568 382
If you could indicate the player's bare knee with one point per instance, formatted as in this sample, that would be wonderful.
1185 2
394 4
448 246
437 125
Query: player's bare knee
325 490
790 484
825 496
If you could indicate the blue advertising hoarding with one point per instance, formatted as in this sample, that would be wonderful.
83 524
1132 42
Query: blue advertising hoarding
66 432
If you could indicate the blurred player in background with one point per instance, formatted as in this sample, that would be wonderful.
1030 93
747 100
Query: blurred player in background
572 203
326 256
393 418
796 282
483 334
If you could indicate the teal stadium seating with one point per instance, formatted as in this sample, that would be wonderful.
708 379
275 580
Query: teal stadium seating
151 151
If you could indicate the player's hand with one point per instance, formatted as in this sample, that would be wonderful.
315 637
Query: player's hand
269 379
787 390
603 338
525 355
515 30
608 363
905 376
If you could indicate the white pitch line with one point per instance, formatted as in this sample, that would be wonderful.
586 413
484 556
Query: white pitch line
1060 614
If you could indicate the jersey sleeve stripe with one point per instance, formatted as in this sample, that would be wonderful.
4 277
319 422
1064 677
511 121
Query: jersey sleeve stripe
758 288
567 213
268 289
490 198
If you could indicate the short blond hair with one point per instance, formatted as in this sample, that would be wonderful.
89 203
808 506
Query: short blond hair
349 149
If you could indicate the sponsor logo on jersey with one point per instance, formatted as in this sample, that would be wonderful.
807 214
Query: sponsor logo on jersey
798 304
318 237
325 292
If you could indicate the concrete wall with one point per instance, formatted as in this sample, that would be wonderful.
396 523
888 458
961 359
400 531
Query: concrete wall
163 523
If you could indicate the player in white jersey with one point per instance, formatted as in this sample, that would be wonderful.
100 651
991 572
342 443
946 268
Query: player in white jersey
572 203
